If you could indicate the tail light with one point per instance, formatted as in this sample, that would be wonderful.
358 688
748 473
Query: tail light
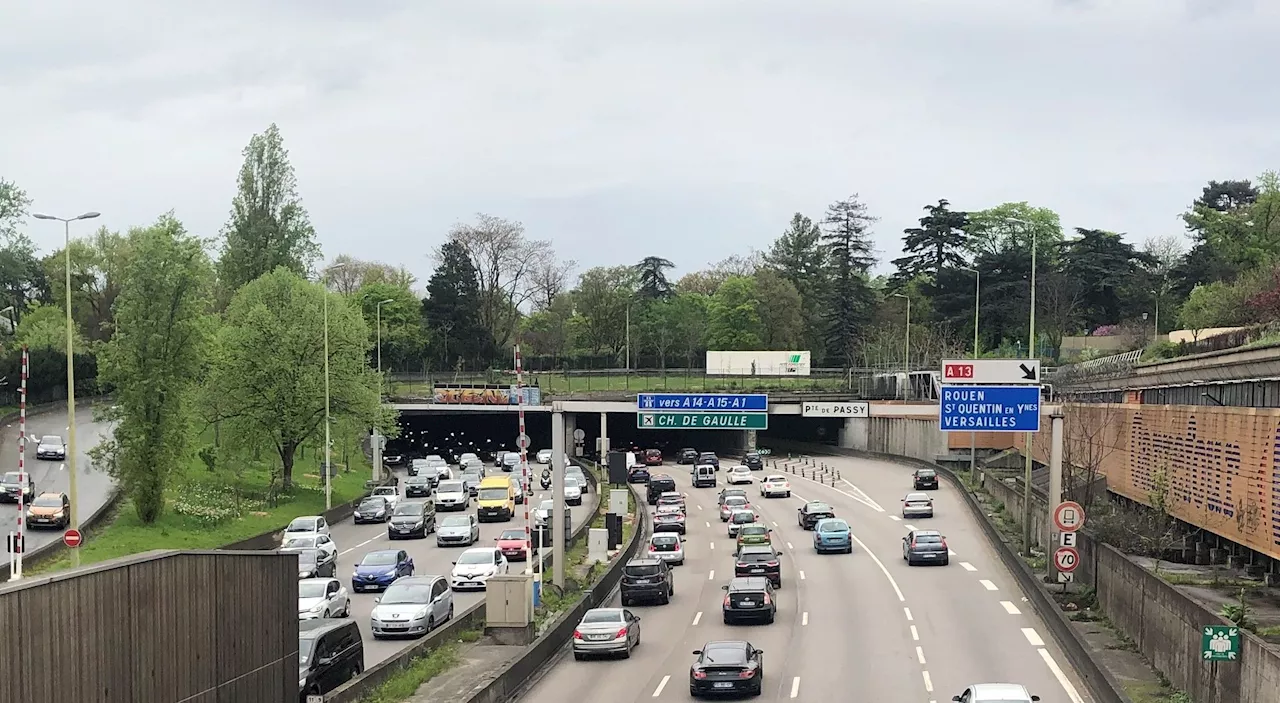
621 633
726 601
653 548
577 635
699 674
767 599
746 674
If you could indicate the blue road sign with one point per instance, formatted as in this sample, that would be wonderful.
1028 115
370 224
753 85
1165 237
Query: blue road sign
989 409
704 402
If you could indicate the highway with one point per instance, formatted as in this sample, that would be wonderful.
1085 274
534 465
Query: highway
861 626
354 541
93 486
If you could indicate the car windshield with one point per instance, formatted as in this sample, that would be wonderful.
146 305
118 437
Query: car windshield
926 473
372 504
642 570
512 534
51 439
476 558
302 524
599 616
547 505
494 494
928 539
305 645
570 482
379 559
735 501
398 593
456 521
450 486
665 539
753 530
48 502
384 491
473 476
308 556
301 542
754 557
917 498
818 508
834 526
743 517
11 477
312 589
741 469
417 480
510 458
414 509
776 479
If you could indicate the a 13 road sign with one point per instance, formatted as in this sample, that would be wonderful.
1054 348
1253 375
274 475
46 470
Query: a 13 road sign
994 372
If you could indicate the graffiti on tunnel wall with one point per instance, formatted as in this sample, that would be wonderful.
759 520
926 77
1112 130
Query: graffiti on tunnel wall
486 395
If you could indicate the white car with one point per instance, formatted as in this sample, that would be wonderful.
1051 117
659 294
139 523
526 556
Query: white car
308 525
444 473
389 493
324 543
668 547
453 495
775 486
542 512
572 491
474 567
917 505
435 460
322 598
468 458
544 456
740 474
740 518
996 692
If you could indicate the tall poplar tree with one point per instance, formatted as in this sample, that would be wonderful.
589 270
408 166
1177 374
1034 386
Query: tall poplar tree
847 240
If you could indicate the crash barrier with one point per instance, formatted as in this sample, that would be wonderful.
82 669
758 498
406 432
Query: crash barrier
805 466
1102 686
469 619
520 674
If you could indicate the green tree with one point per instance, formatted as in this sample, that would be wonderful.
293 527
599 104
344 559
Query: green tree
270 366
936 244
451 311
601 301
1216 304
850 304
688 318
799 257
1013 226
1105 267
355 274
22 279
97 267
658 327
268 227
548 332
781 311
154 363
651 278
45 327
733 320
403 338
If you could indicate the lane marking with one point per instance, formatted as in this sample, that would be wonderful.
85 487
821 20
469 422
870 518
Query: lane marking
62 467
909 526
951 552
699 507
915 634
928 682
697 617
883 570
713 545
711 576
864 499
1032 636
1010 608
708 524
908 612
802 575
895 518
920 654
968 567
790 546
804 619
775 523
795 687
1061 677
988 585
661 685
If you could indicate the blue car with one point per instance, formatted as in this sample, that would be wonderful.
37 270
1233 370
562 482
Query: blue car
379 569
832 535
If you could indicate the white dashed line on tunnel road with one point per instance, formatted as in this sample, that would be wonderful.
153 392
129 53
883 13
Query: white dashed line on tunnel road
915 634
988 585
795 687
1010 608
920 654
708 524
909 526
790 546
713 545
802 574
928 682
951 552
908 613
697 617
775 523
895 518
712 575
1032 636
661 685
804 619
967 566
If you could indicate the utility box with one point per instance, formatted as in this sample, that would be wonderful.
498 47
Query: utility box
509 609
597 544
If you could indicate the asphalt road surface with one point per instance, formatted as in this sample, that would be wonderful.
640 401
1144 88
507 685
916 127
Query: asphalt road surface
862 626
93 486
354 541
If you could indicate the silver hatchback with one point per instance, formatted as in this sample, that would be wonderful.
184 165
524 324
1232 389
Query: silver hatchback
606 631
667 547
412 606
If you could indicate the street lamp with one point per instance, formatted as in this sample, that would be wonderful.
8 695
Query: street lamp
906 366
71 373
1031 354
377 436
328 442
977 299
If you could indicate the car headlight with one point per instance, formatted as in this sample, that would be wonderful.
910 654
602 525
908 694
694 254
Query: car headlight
421 613
390 572
303 574
317 607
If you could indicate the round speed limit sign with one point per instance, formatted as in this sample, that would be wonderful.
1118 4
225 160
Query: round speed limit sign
1067 559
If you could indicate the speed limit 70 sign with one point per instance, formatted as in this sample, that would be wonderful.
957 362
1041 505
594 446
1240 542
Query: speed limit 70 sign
1067 559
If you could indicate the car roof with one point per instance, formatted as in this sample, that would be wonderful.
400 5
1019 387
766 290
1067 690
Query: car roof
666 536
325 579
762 548
616 612
642 561
814 504
419 580
726 644
776 477
670 494
748 583
481 549
926 471
1000 691
382 551
311 629
50 494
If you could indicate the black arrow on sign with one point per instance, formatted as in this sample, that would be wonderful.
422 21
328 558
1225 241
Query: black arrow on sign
1028 373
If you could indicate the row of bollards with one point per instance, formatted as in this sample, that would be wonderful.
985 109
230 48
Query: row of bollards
808 467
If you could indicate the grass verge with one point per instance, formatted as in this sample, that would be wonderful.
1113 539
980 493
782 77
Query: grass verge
420 670
205 508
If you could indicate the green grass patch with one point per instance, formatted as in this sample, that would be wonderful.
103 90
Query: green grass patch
420 670
677 380
208 509
1153 692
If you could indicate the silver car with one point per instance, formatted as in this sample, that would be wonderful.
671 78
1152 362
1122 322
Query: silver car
667 547
917 505
452 495
458 531
572 491
322 598
413 605
996 693
739 518
732 503
606 631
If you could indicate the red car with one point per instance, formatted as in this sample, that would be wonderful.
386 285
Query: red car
653 457
511 544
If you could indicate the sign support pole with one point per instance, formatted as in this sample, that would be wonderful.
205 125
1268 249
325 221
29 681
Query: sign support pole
16 572
1057 422
557 527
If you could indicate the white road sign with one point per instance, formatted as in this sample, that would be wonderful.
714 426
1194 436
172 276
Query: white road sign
579 434
1066 539
1002 372
850 409
1066 576
1067 558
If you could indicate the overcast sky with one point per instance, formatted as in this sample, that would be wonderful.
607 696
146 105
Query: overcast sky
690 129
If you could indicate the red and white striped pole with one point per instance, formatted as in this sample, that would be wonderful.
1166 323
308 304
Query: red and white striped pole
522 442
22 463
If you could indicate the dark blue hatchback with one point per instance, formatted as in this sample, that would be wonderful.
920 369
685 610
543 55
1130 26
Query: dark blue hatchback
379 569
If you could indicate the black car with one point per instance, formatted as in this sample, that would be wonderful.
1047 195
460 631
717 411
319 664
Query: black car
11 488
658 484
372 509
924 479
810 513
393 460
753 461
638 474
314 563
749 599
412 519
647 579
709 458
417 487
925 547
759 560
688 455
727 667
330 653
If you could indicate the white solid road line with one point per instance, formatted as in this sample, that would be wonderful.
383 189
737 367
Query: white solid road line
697 617
928 682
1010 608
968 567
804 619
1032 636
988 585
712 575
699 507
895 518
1061 677
802 574
661 685
920 654
908 613
883 570
915 634
795 687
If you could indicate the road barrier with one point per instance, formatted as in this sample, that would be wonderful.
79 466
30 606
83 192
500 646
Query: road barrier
808 467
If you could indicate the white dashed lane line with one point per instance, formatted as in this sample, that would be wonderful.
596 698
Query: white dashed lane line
711 576
804 619
795 687
920 654
697 617
708 524
802 575
951 552
915 634
908 613
967 566
928 682
909 526
713 545
1010 608
988 585
895 518
661 685
1032 636
790 546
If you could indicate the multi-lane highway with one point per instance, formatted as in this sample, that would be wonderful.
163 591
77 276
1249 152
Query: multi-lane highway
862 626
354 541
93 486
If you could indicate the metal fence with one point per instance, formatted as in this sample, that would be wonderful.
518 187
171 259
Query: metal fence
411 385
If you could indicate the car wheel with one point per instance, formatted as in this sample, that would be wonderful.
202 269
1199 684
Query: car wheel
431 623
450 616
327 615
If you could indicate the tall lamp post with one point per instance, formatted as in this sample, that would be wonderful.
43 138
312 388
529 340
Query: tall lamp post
1031 354
328 442
906 365
977 305
71 372
377 436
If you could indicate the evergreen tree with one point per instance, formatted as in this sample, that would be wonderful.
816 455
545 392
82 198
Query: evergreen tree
798 256
451 311
849 256
651 274
936 244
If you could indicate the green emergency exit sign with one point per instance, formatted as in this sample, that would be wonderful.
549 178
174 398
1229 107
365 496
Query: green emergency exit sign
702 421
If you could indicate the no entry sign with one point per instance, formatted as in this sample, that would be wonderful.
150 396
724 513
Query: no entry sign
72 538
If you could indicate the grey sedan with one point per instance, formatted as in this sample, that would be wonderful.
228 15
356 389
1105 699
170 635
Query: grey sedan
925 547
606 631
917 505
458 531
413 605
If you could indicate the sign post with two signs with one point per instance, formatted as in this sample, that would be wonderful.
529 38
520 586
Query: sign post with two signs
990 395
1068 518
